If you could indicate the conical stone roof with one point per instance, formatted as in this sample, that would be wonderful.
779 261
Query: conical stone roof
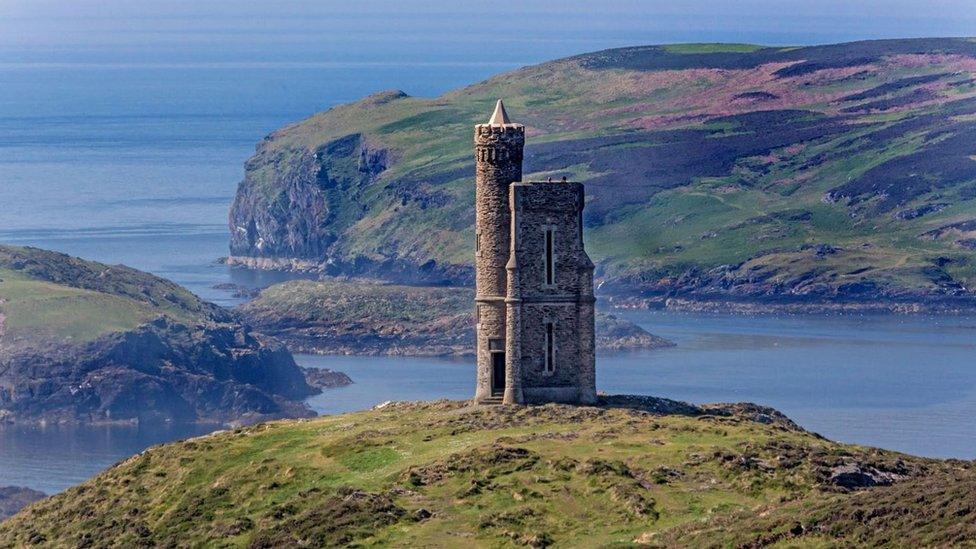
499 117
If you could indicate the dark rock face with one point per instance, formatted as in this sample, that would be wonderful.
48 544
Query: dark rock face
15 498
295 222
324 378
306 210
913 213
853 476
615 334
161 371
291 223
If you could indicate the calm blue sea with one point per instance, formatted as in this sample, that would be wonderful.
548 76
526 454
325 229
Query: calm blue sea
903 383
124 125
140 165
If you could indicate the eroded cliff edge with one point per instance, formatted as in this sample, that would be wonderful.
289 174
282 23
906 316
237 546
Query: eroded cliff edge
824 177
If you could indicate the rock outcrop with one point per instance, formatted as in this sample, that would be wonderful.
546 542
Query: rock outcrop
324 378
85 342
369 318
295 221
15 498
161 371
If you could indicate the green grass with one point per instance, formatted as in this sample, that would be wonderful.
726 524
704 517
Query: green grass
676 220
33 306
342 316
370 304
933 512
443 474
370 459
47 297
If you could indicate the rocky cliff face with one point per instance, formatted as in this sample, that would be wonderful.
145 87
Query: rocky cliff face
161 371
298 204
85 342
712 172
296 221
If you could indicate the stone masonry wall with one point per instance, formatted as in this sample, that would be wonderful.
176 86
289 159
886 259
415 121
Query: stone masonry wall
498 158
498 155
555 206
567 302
565 316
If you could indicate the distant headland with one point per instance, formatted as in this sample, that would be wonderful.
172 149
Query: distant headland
728 177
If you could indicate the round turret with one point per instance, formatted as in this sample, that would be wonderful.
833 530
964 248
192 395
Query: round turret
498 159
498 155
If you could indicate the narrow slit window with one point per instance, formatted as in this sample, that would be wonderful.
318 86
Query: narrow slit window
549 266
550 347
477 245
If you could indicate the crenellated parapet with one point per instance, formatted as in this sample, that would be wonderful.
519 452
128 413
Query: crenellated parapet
496 143
499 131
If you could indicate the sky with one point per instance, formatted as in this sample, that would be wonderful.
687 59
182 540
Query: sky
289 31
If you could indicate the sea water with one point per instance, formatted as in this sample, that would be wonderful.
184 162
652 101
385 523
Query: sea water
906 383
123 131
902 383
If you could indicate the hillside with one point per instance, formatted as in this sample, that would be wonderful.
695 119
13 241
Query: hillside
445 474
356 317
51 297
85 342
713 171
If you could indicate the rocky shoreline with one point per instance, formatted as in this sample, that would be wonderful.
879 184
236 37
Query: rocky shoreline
161 371
87 343
346 317
392 270
625 294
774 305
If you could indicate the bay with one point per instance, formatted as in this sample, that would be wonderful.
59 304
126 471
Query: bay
124 126
902 383
905 383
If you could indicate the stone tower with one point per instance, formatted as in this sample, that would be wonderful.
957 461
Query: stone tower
534 281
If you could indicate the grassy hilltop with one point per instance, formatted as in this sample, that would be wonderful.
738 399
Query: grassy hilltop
444 474
47 297
721 170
